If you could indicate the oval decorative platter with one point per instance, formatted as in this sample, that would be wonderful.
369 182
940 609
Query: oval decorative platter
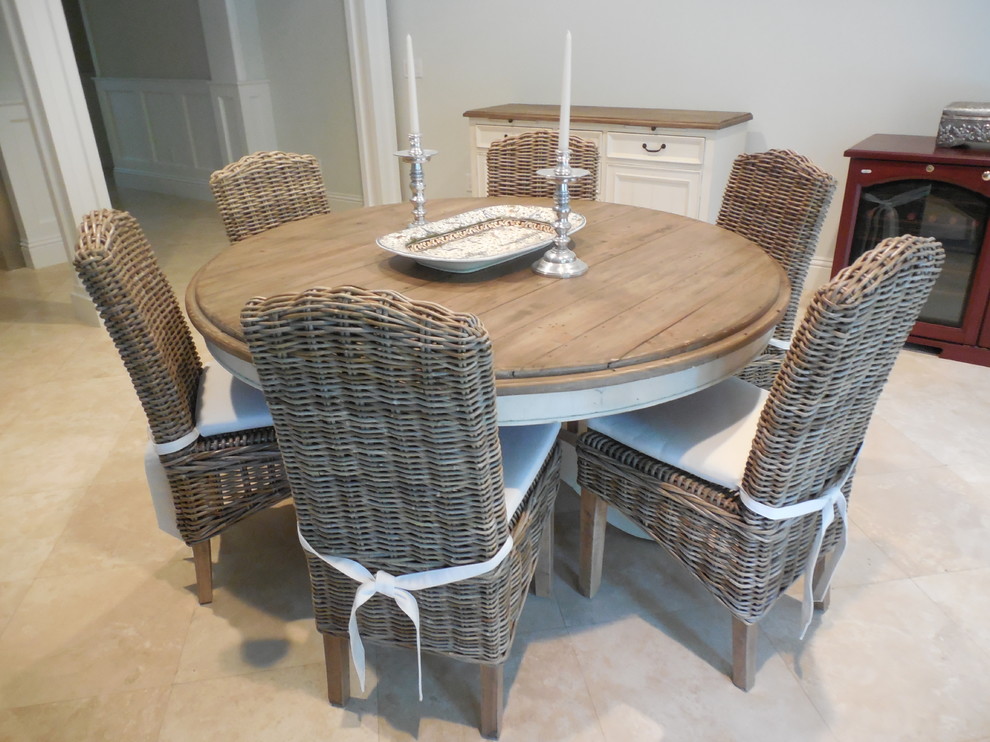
478 239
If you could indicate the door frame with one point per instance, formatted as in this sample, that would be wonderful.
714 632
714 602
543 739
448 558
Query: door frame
374 104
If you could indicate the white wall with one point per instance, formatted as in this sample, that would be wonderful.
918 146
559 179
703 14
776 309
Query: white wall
817 76
141 39
306 58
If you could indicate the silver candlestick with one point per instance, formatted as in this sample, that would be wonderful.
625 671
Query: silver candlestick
560 261
416 156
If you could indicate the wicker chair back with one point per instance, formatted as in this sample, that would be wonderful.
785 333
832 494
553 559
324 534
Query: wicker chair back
266 189
822 400
778 199
138 306
513 161
385 413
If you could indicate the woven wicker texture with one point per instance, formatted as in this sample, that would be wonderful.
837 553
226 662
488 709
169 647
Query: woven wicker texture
385 411
809 432
513 162
217 480
778 199
265 189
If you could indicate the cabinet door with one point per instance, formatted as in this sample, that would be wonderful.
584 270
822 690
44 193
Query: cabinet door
676 191
947 202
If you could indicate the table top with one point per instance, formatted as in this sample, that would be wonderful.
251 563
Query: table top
656 118
665 297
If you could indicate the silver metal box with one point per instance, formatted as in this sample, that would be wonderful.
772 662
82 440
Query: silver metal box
964 123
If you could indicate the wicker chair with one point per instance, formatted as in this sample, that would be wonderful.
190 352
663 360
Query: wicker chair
777 199
265 189
385 412
716 477
212 459
513 161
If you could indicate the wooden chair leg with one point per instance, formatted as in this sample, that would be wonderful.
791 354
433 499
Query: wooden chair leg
821 605
570 430
593 513
336 652
744 642
203 562
543 578
492 678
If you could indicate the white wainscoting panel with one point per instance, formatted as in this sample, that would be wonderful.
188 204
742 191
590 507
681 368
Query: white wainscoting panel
163 134
245 120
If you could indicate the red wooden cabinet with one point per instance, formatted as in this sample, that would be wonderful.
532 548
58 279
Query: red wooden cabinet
905 185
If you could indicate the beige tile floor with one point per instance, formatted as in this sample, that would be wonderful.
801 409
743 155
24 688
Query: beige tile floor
101 637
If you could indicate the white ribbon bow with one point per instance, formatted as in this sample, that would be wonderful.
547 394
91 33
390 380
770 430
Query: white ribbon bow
825 504
400 589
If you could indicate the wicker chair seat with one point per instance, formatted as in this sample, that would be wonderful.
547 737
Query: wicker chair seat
703 441
807 437
220 480
746 561
232 467
224 405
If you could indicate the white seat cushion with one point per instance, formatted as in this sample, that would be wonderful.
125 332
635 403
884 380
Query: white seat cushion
524 449
226 404
161 492
708 434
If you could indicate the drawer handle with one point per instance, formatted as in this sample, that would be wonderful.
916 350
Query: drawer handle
658 149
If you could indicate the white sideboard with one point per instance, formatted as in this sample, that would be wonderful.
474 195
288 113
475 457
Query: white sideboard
671 160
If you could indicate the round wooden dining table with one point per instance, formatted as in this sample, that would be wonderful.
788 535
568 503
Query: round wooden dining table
669 305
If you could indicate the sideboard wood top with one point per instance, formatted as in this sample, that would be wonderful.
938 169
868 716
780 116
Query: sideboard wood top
657 118
910 148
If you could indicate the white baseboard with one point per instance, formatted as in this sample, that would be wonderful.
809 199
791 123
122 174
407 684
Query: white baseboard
819 274
43 253
83 307
345 201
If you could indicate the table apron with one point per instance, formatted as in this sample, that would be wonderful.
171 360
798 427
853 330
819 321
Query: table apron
579 404
624 396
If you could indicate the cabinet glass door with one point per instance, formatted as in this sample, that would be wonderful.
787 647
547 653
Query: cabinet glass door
955 216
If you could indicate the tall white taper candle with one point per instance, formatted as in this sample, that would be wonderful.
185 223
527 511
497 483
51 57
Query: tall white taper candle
411 72
565 98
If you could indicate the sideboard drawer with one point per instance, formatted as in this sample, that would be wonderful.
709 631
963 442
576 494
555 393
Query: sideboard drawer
655 148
